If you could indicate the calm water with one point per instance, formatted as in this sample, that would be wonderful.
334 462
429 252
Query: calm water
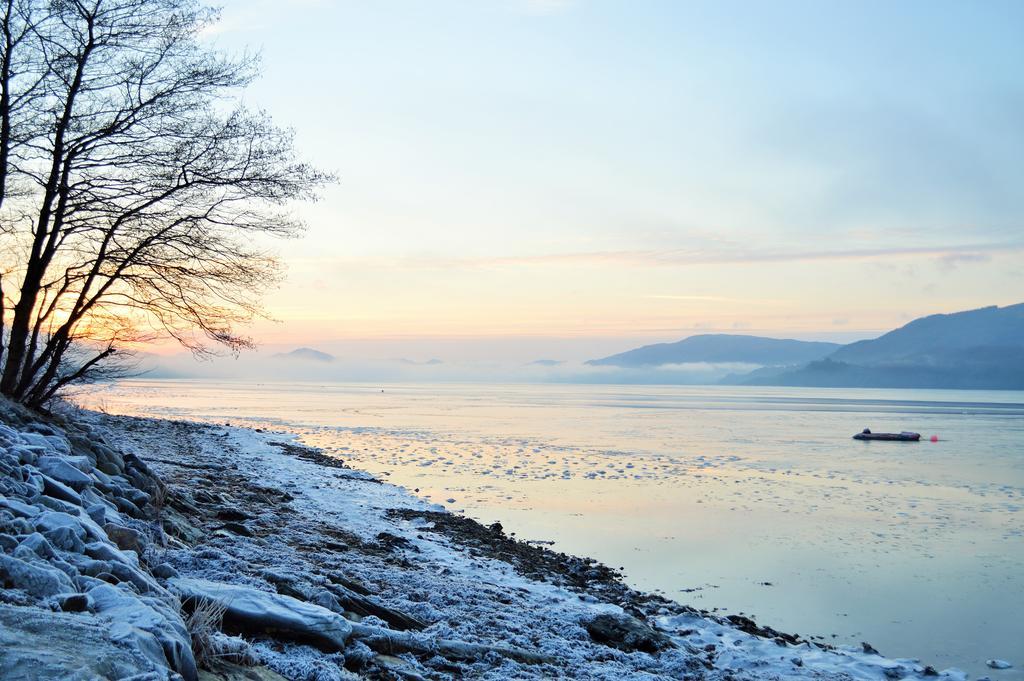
750 500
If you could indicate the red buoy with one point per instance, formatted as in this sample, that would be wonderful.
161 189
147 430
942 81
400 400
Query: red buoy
935 438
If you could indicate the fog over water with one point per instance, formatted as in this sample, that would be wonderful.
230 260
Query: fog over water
752 500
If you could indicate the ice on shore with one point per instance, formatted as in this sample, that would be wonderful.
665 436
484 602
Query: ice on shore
113 530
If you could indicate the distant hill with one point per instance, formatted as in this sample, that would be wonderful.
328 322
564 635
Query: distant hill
941 338
305 355
981 348
413 362
546 362
722 348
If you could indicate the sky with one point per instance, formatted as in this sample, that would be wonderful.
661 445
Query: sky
572 177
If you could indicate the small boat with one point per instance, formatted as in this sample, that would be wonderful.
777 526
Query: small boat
905 436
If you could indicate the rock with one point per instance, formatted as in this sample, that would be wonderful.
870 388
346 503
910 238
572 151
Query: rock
98 513
107 460
39 545
55 504
82 463
28 454
65 539
137 497
127 507
58 490
125 537
998 664
7 543
34 479
176 525
221 670
396 665
127 574
51 520
61 471
74 602
35 440
85 648
33 579
16 526
626 633
326 599
232 513
19 508
106 552
258 611
238 528
164 571
153 617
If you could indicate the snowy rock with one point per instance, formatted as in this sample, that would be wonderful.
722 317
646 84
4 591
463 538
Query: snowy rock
33 479
65 539
59 490
253 610
82 463
62 471
33 579
98 513
51 520
101 551
57 504
36 440
626 633
107 460
15 488
37 544
28 455
998 664
178 526
16 526
84 650
18 508
153 617
164 571
7 543
126 538
127 574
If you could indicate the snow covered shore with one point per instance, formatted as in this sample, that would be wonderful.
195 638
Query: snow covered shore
149 549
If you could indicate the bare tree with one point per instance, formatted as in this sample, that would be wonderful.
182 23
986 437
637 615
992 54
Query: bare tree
133 187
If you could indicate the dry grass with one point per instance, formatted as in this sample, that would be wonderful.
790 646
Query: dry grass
204 622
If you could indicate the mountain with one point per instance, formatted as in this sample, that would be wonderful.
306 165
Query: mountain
974 349
942 338
722 348
305 355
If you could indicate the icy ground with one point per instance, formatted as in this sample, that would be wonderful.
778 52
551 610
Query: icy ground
157 550
336 525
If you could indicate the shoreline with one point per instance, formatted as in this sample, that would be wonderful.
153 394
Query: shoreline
434 595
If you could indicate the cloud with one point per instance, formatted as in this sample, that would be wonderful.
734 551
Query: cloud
950 261
715 299
681 257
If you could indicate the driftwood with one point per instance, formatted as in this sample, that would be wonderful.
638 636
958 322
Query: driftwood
365 605
390 642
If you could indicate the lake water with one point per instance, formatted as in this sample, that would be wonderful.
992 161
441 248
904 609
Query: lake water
752 500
